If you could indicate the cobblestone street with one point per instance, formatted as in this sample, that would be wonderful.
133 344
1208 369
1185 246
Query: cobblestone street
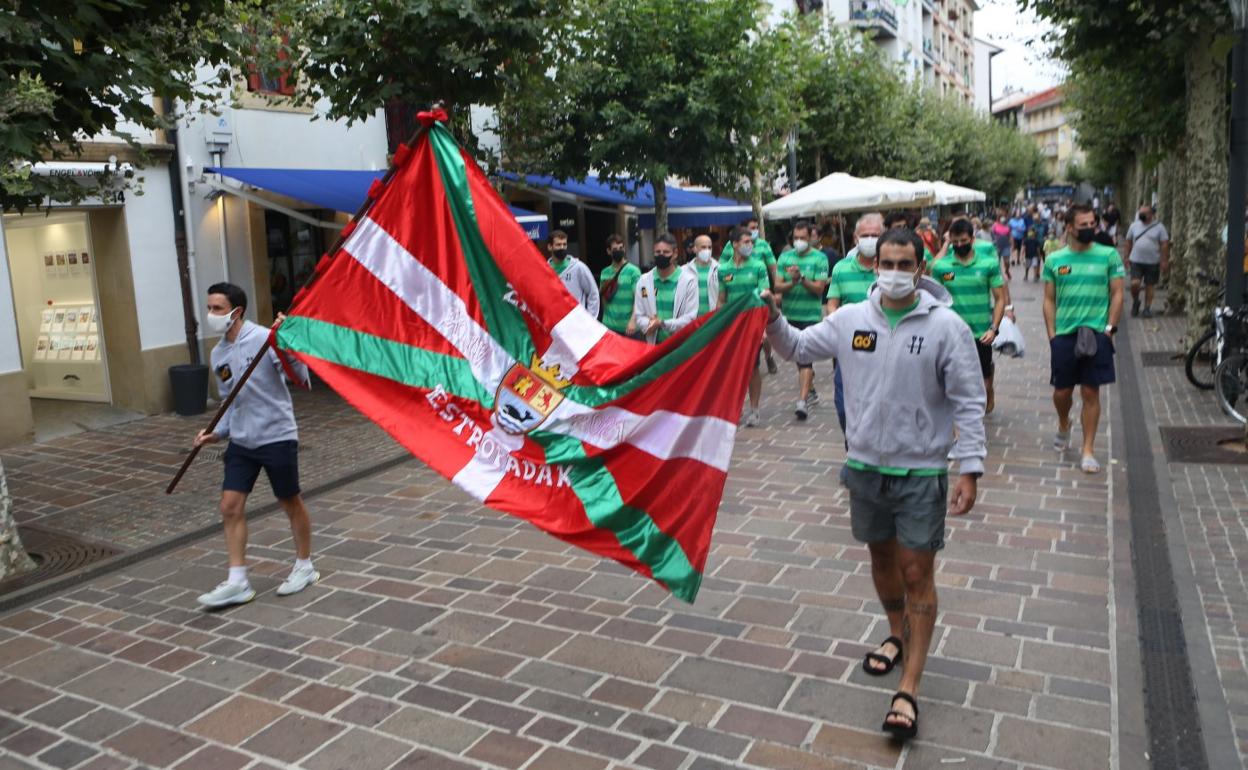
444 635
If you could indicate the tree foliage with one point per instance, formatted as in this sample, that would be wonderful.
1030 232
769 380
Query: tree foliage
70 70
362 54
639 90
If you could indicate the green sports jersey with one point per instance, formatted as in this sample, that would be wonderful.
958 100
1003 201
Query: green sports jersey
1081 280
800 304
704 274
850 281
619 309
762 250
665 299
971 284
737 280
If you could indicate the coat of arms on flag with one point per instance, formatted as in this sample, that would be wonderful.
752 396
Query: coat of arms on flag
438 319
527 395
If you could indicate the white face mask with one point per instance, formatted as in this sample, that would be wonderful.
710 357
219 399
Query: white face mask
754 234
704 255
896 284
800 246
219 324
745 250
866 246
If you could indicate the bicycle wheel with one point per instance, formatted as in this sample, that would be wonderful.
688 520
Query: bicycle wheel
1231 383
1201 361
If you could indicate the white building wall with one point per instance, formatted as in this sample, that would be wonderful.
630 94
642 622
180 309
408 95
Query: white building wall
983 75
10 351
262 138
154 260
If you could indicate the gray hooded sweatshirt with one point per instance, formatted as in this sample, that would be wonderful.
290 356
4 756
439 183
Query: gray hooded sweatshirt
262 413
905 388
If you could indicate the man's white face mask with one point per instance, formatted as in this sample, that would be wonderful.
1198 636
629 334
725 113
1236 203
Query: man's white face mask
219 324
896 284
867 245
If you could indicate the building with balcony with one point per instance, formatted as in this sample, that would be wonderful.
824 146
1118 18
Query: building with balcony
1045 118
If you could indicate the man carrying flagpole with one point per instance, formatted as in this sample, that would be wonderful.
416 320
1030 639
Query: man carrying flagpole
260 428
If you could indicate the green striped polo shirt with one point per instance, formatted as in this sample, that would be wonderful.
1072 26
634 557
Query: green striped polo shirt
737 280
800 304
850 281
665 299
618 310
704 274
971 284
1081 280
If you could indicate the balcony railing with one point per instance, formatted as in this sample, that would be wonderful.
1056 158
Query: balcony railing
879 15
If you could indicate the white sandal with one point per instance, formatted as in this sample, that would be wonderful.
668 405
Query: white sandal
1089 464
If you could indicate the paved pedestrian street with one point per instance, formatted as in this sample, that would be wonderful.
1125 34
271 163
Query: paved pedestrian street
445 635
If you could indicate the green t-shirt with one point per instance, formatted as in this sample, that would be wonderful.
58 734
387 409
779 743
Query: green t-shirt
665 299
1081 280
762 251
738 280
704 274
971 284
799 303
850 281
619 309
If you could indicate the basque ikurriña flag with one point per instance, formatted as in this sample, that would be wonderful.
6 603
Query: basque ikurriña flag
441 321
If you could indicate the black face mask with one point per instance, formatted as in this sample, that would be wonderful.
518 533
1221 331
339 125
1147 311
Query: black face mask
559 254
1144 216
962 249
617 254
662 261
1085 234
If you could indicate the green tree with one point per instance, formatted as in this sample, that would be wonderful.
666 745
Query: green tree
70 70
1148 79
639 90
363 54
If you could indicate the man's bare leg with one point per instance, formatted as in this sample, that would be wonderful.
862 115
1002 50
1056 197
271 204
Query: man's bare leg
1063 400
300 525
918 622
756 388
234 521
886 574
1091 415
805 380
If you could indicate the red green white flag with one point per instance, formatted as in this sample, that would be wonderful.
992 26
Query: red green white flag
440 320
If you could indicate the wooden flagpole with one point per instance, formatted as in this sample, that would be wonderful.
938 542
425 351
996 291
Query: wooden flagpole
260 355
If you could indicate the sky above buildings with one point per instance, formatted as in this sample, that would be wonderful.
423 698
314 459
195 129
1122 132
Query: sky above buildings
1026 64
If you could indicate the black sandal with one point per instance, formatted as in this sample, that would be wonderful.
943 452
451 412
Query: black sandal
886 661
899 731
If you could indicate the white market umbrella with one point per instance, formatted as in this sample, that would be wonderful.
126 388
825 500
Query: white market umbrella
842 193
951 194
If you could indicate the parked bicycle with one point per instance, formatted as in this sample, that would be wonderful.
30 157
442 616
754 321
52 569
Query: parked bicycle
1202 359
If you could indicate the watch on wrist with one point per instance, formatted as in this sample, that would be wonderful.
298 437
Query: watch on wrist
1110 329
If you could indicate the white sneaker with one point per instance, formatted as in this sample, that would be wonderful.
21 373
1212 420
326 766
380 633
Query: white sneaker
226 594
300 578
800 410
751 418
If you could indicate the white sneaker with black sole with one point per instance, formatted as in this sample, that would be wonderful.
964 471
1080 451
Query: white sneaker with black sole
227 594
800 410
300 578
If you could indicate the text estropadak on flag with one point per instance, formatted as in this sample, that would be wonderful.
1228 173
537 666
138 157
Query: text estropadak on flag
440 321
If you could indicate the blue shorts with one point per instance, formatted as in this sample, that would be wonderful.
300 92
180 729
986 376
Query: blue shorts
1067 371
280 460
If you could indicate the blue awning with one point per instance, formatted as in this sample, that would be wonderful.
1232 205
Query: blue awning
685 208
342 190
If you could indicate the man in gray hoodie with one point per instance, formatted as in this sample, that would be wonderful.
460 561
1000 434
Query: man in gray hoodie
260 428
911 377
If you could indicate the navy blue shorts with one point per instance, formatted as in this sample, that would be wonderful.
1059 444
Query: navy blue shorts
280 460
1067 371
